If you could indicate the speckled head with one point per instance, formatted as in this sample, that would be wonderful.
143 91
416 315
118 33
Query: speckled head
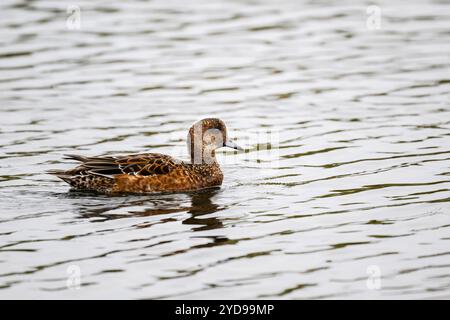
205 136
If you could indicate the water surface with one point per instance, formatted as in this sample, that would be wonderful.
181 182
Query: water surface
356 185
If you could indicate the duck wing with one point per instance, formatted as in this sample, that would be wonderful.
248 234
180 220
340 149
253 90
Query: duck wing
145 164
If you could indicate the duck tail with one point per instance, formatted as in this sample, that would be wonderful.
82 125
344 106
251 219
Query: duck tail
63 175
75 157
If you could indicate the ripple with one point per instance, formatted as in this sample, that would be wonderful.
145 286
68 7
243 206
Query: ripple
356 179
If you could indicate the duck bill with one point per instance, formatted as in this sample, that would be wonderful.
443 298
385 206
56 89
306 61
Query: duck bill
232 145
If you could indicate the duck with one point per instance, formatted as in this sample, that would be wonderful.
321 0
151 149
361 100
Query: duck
154 172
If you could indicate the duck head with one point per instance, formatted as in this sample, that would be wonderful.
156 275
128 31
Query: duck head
204 137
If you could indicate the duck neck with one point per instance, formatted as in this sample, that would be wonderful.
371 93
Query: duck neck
205 156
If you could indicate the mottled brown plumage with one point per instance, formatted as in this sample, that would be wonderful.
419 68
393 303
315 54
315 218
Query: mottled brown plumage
154 172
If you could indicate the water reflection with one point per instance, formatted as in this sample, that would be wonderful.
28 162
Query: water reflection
202 204
197 204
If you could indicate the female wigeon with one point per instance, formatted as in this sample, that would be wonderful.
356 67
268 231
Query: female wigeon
155 172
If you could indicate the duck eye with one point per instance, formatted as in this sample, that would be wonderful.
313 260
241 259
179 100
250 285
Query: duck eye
213 137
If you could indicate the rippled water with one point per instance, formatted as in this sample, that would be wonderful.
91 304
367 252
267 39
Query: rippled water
354 194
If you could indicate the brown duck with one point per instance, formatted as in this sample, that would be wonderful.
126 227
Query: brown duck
155 172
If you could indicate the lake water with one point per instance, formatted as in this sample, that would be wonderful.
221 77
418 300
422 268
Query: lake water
351 201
